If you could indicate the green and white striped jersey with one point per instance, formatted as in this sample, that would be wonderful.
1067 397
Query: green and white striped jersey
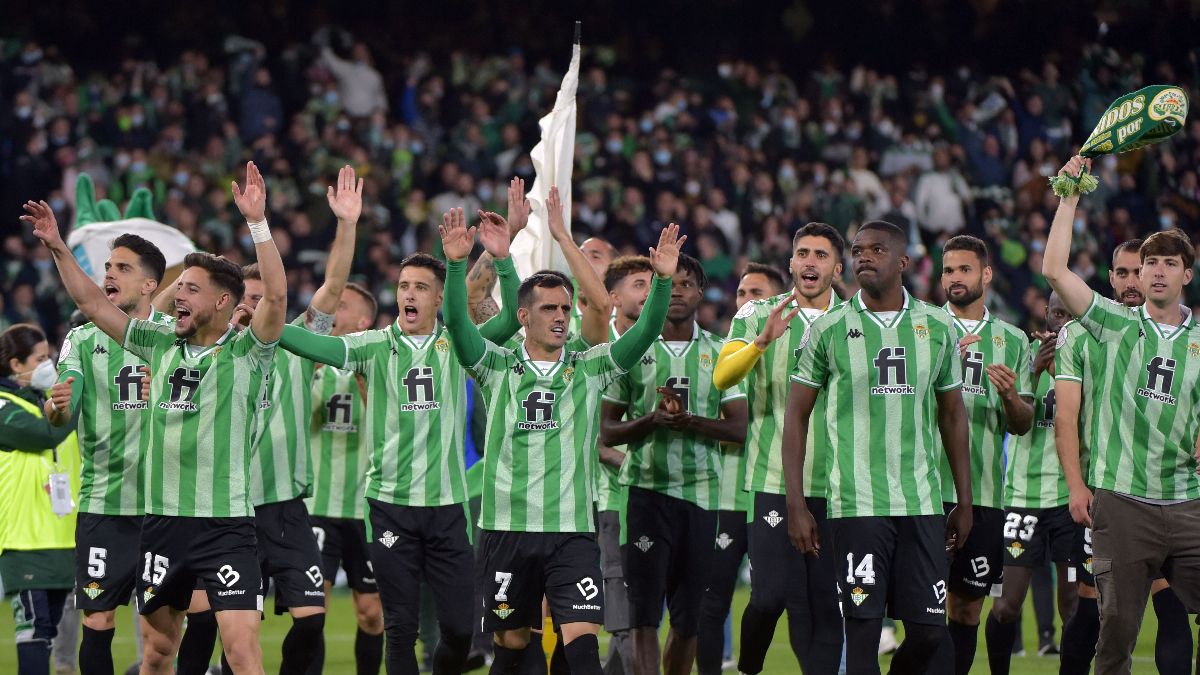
1073 361
1034 477
1000 343
882 373
542 430
114 421
280 470
682 465
767 387
610 494
1148 398
415 415
339 460
204 404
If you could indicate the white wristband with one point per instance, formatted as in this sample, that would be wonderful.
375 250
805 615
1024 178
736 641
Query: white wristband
259 231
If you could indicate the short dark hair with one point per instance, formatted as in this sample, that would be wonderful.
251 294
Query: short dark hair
542 279
822 230
221 270
17 343
769 271
1168 243
965 242
693 267
625 266
428 262
887 228
154 264
1134 245
365 295
251 271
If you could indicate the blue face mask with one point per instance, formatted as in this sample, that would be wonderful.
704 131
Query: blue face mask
417 147
662 157
614 146
485 192
331 97
646 125
181 178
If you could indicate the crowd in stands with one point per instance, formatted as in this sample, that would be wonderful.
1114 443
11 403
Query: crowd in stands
741 157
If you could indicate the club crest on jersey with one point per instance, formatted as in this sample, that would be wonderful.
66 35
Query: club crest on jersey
388 539
643 543
1015 549
773 518
93 590
921 331
998 341
706 361
744 311
858 595
724 540
441 345
568 374
1062 338
503 610
1193 349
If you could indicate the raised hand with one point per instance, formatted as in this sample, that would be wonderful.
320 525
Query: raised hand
1075 166
494 234
58 404
777 322
554 216
1003 379
243 314
518 206
45 225
346 200
966 341
665 257
252 201
457 240
1043 360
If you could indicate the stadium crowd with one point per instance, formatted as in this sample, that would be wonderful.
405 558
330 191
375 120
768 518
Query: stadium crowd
741 157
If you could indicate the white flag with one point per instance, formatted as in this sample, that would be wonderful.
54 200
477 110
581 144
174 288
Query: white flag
553 157
91 243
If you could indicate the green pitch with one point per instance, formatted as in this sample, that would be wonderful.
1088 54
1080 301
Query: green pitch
340 628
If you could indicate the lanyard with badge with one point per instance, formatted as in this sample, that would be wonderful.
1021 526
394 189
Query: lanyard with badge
59 487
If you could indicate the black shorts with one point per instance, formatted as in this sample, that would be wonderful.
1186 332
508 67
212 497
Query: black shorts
515 569
412 544
892 565
343 543
176 551
106 560
288 555
669 545
781 577
1033 537
980 562
1081 557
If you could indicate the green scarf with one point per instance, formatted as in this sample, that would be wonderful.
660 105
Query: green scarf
1147 116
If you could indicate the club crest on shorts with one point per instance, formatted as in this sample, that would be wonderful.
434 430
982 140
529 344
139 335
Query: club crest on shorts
858 595
1015 549
148 595
93 590
503 610
724 540
1087 565
773 518
388 539
643 543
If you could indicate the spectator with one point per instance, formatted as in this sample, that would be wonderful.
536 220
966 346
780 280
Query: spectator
360 86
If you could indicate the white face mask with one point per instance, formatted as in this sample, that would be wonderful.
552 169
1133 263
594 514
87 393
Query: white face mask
43 376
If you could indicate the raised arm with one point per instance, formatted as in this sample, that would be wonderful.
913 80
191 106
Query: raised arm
320 348
597 307
482 277
346 203
1074 291
802 527
634 342
89 297
457 240
738 357
270 314
494 234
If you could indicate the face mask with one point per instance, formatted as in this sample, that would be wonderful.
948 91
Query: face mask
24 112
122 161
181 178
724 70
485 192
788 123
138 120
247 241
43 376
646 125
1165 221
787 173
417 147
662 157
1078 225
343 126
331 97
137 167
58 204
614 146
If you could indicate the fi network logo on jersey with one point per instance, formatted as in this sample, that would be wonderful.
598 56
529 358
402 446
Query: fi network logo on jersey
419 383
858 595
891 367
388 539
1160 373
184 382
773 518
539 411
973 374
93 590
643 543
724 540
